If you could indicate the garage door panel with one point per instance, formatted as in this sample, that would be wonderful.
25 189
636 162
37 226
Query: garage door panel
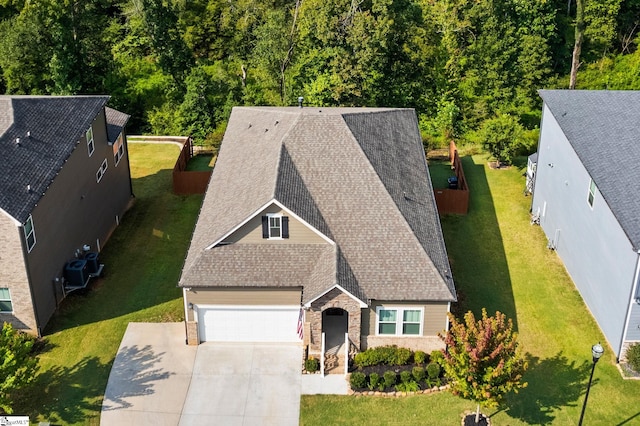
248 323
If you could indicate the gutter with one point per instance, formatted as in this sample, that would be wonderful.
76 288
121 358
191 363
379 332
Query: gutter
634 289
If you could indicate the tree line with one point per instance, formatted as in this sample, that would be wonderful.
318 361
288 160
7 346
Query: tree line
469 67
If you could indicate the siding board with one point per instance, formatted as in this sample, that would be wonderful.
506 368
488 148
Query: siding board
251 232
241 296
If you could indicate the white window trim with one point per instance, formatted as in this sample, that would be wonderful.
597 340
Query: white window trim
9 300
101 170
399 319
269 216
26 236
90 142
118 150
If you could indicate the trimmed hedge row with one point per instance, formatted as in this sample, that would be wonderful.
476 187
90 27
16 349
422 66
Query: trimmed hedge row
390 355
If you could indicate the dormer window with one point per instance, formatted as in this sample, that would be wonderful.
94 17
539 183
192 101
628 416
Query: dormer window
275 226
90 145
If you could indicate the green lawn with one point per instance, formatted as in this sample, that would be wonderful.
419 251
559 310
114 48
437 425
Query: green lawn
501 262
143 259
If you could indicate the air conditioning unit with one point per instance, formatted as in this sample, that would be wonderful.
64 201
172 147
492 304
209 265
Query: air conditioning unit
76 273
93 263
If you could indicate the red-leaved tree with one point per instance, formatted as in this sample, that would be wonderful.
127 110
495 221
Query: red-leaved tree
482 359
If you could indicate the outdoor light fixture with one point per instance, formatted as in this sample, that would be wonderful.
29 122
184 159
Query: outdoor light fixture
596 352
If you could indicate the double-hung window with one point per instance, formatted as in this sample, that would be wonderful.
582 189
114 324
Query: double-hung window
592 192
118 150
101 170
399 321
275 226
90 145
29 234
5 300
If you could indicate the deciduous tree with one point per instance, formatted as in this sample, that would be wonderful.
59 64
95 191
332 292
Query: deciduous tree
482 359
18 365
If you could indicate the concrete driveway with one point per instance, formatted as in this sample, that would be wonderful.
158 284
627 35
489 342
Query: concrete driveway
157 379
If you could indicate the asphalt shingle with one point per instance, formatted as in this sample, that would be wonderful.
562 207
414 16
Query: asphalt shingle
359 176
55 125
601 126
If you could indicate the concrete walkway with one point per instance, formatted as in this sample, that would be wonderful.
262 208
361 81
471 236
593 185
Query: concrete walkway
157 379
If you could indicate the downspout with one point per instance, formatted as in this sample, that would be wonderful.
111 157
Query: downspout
23 242
634 289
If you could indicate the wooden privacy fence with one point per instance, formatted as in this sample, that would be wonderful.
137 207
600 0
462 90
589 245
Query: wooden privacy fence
450 200
188 182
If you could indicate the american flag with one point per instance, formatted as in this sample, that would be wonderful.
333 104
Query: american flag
301 324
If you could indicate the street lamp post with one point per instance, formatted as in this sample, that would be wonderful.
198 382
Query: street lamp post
597 351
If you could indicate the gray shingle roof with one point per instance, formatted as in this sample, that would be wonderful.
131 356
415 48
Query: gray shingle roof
357 175
56 124
116 121
602 128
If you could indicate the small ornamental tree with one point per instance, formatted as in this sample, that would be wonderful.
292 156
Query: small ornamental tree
482 360
502 136
17 364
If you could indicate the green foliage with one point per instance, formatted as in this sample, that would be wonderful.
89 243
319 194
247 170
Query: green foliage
388 355
437 356
389 378
405 376
482 360
418 373
311 364
374 381
357 380
633 356
433 370
419 357
409 386
502 136
18 365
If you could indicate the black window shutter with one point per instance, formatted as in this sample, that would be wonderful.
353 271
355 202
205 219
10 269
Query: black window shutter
285 226
265 227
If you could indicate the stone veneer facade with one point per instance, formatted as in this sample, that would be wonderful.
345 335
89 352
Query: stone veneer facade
334 299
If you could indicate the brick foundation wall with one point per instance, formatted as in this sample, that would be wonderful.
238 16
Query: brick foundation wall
426 344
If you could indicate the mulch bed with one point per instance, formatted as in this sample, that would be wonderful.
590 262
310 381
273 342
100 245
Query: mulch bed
470 420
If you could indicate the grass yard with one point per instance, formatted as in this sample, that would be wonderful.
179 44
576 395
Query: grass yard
501 262
142 261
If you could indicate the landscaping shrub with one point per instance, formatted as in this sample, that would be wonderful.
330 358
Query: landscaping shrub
405 376
389 379
311 364
633 357
419 357
433 370
374 381
358 380
410 386
401 356
437 356
418 373
389 355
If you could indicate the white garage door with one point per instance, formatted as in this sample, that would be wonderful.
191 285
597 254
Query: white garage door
248 323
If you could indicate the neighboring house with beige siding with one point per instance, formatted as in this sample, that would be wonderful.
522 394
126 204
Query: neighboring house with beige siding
328 212
64 184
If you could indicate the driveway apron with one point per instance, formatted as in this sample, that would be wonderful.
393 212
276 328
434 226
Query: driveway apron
157 379
244 384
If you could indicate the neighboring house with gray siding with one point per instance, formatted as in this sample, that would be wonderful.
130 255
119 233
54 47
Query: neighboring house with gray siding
64 185
587 199
326 209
